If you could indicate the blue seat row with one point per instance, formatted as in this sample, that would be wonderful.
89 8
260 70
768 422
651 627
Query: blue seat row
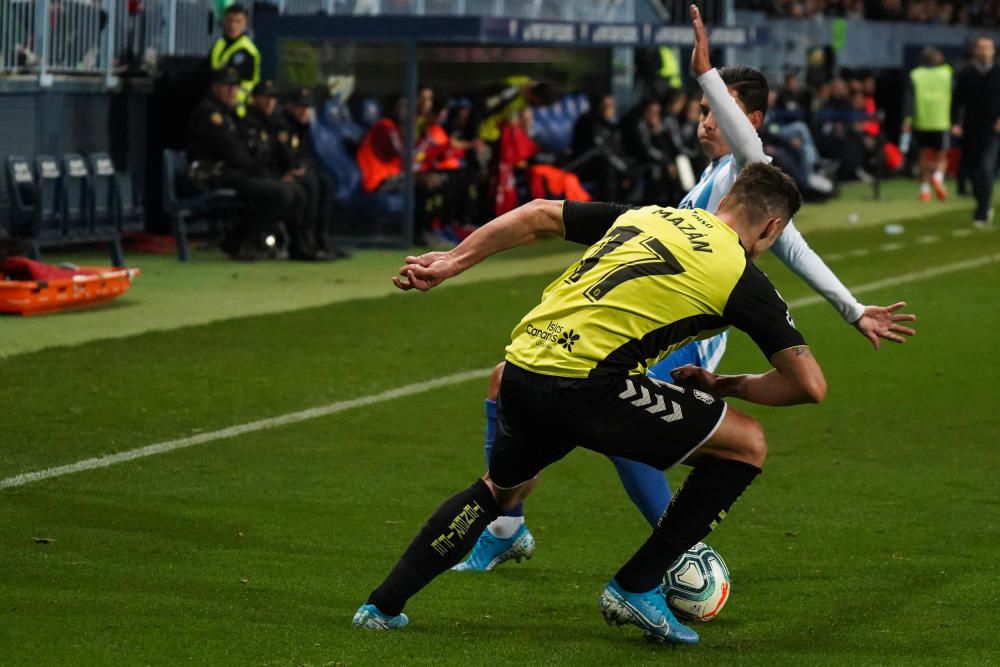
334 130
554 123
72 199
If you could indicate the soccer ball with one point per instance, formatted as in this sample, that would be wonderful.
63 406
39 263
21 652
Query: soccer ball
697 586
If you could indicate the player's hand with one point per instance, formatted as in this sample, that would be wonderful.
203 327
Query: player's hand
423 272
956 131
695 377
700 62
883 322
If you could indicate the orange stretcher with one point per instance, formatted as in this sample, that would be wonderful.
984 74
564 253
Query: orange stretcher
66 288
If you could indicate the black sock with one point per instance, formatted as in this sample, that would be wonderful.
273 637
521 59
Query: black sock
444 540
707 493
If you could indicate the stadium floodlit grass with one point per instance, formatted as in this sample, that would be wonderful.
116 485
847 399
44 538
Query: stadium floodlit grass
871 538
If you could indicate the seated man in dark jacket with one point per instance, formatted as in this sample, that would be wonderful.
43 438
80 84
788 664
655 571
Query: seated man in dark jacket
219 155
296 155
598 152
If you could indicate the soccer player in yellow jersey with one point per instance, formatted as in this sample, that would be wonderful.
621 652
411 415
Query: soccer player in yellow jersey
652 280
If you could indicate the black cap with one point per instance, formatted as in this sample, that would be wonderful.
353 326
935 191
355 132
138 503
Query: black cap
265 89
226 76
300 96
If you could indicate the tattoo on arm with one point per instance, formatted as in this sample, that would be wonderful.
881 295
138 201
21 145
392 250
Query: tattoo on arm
802 351
739 388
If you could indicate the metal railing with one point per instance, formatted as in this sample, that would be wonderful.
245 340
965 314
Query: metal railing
596 10
107 37
101 37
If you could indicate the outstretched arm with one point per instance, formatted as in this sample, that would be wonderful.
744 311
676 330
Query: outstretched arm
796 378
873 322
537 219
732 121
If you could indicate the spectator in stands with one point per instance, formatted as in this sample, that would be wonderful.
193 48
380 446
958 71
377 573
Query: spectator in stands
517 169
235 49
793 102
688 121
927 112
502 102
841 133
443 192
651 152
475 158
261 128
380 156
218 152
380 160
298 160
786 130
598 152
977 109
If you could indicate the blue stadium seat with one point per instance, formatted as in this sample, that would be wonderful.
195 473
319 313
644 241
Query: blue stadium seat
381 207
337 115
23 196
101 192
197 213
48 216
124 209
51 205
370 112
129 211
75 203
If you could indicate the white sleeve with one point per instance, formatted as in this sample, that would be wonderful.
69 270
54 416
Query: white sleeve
792 249
733 124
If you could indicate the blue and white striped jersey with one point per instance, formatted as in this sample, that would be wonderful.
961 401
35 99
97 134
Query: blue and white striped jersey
715 183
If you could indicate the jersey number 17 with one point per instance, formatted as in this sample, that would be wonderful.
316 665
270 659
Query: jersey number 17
660 262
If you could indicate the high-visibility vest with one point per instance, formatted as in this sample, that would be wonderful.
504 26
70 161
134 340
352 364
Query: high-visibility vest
669 68
220 57
931 98
375 162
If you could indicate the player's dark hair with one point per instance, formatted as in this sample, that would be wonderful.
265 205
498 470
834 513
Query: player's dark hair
766 191
750 86
930 57
235 9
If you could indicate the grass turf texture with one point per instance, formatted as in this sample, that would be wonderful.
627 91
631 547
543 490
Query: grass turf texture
870 539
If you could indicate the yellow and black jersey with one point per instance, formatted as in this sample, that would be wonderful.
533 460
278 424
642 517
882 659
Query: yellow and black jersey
653 280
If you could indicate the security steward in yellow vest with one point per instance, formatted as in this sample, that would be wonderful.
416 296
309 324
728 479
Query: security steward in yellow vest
220 158
235 49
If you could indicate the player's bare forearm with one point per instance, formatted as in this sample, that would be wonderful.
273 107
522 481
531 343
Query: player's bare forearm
795 379
537 219
541 218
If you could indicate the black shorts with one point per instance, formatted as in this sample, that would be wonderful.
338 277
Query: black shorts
542 418
934 140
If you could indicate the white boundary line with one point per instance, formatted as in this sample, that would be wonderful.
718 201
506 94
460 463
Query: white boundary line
406 390
241 429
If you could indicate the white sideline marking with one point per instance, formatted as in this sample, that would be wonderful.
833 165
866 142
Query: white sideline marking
241 429
407 390
901 279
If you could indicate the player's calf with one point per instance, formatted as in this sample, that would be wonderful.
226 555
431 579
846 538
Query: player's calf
442 542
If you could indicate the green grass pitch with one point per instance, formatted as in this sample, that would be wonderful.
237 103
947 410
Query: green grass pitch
871 537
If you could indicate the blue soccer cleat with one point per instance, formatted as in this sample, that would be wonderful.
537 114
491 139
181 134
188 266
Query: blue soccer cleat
369 617
490 551
648 611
